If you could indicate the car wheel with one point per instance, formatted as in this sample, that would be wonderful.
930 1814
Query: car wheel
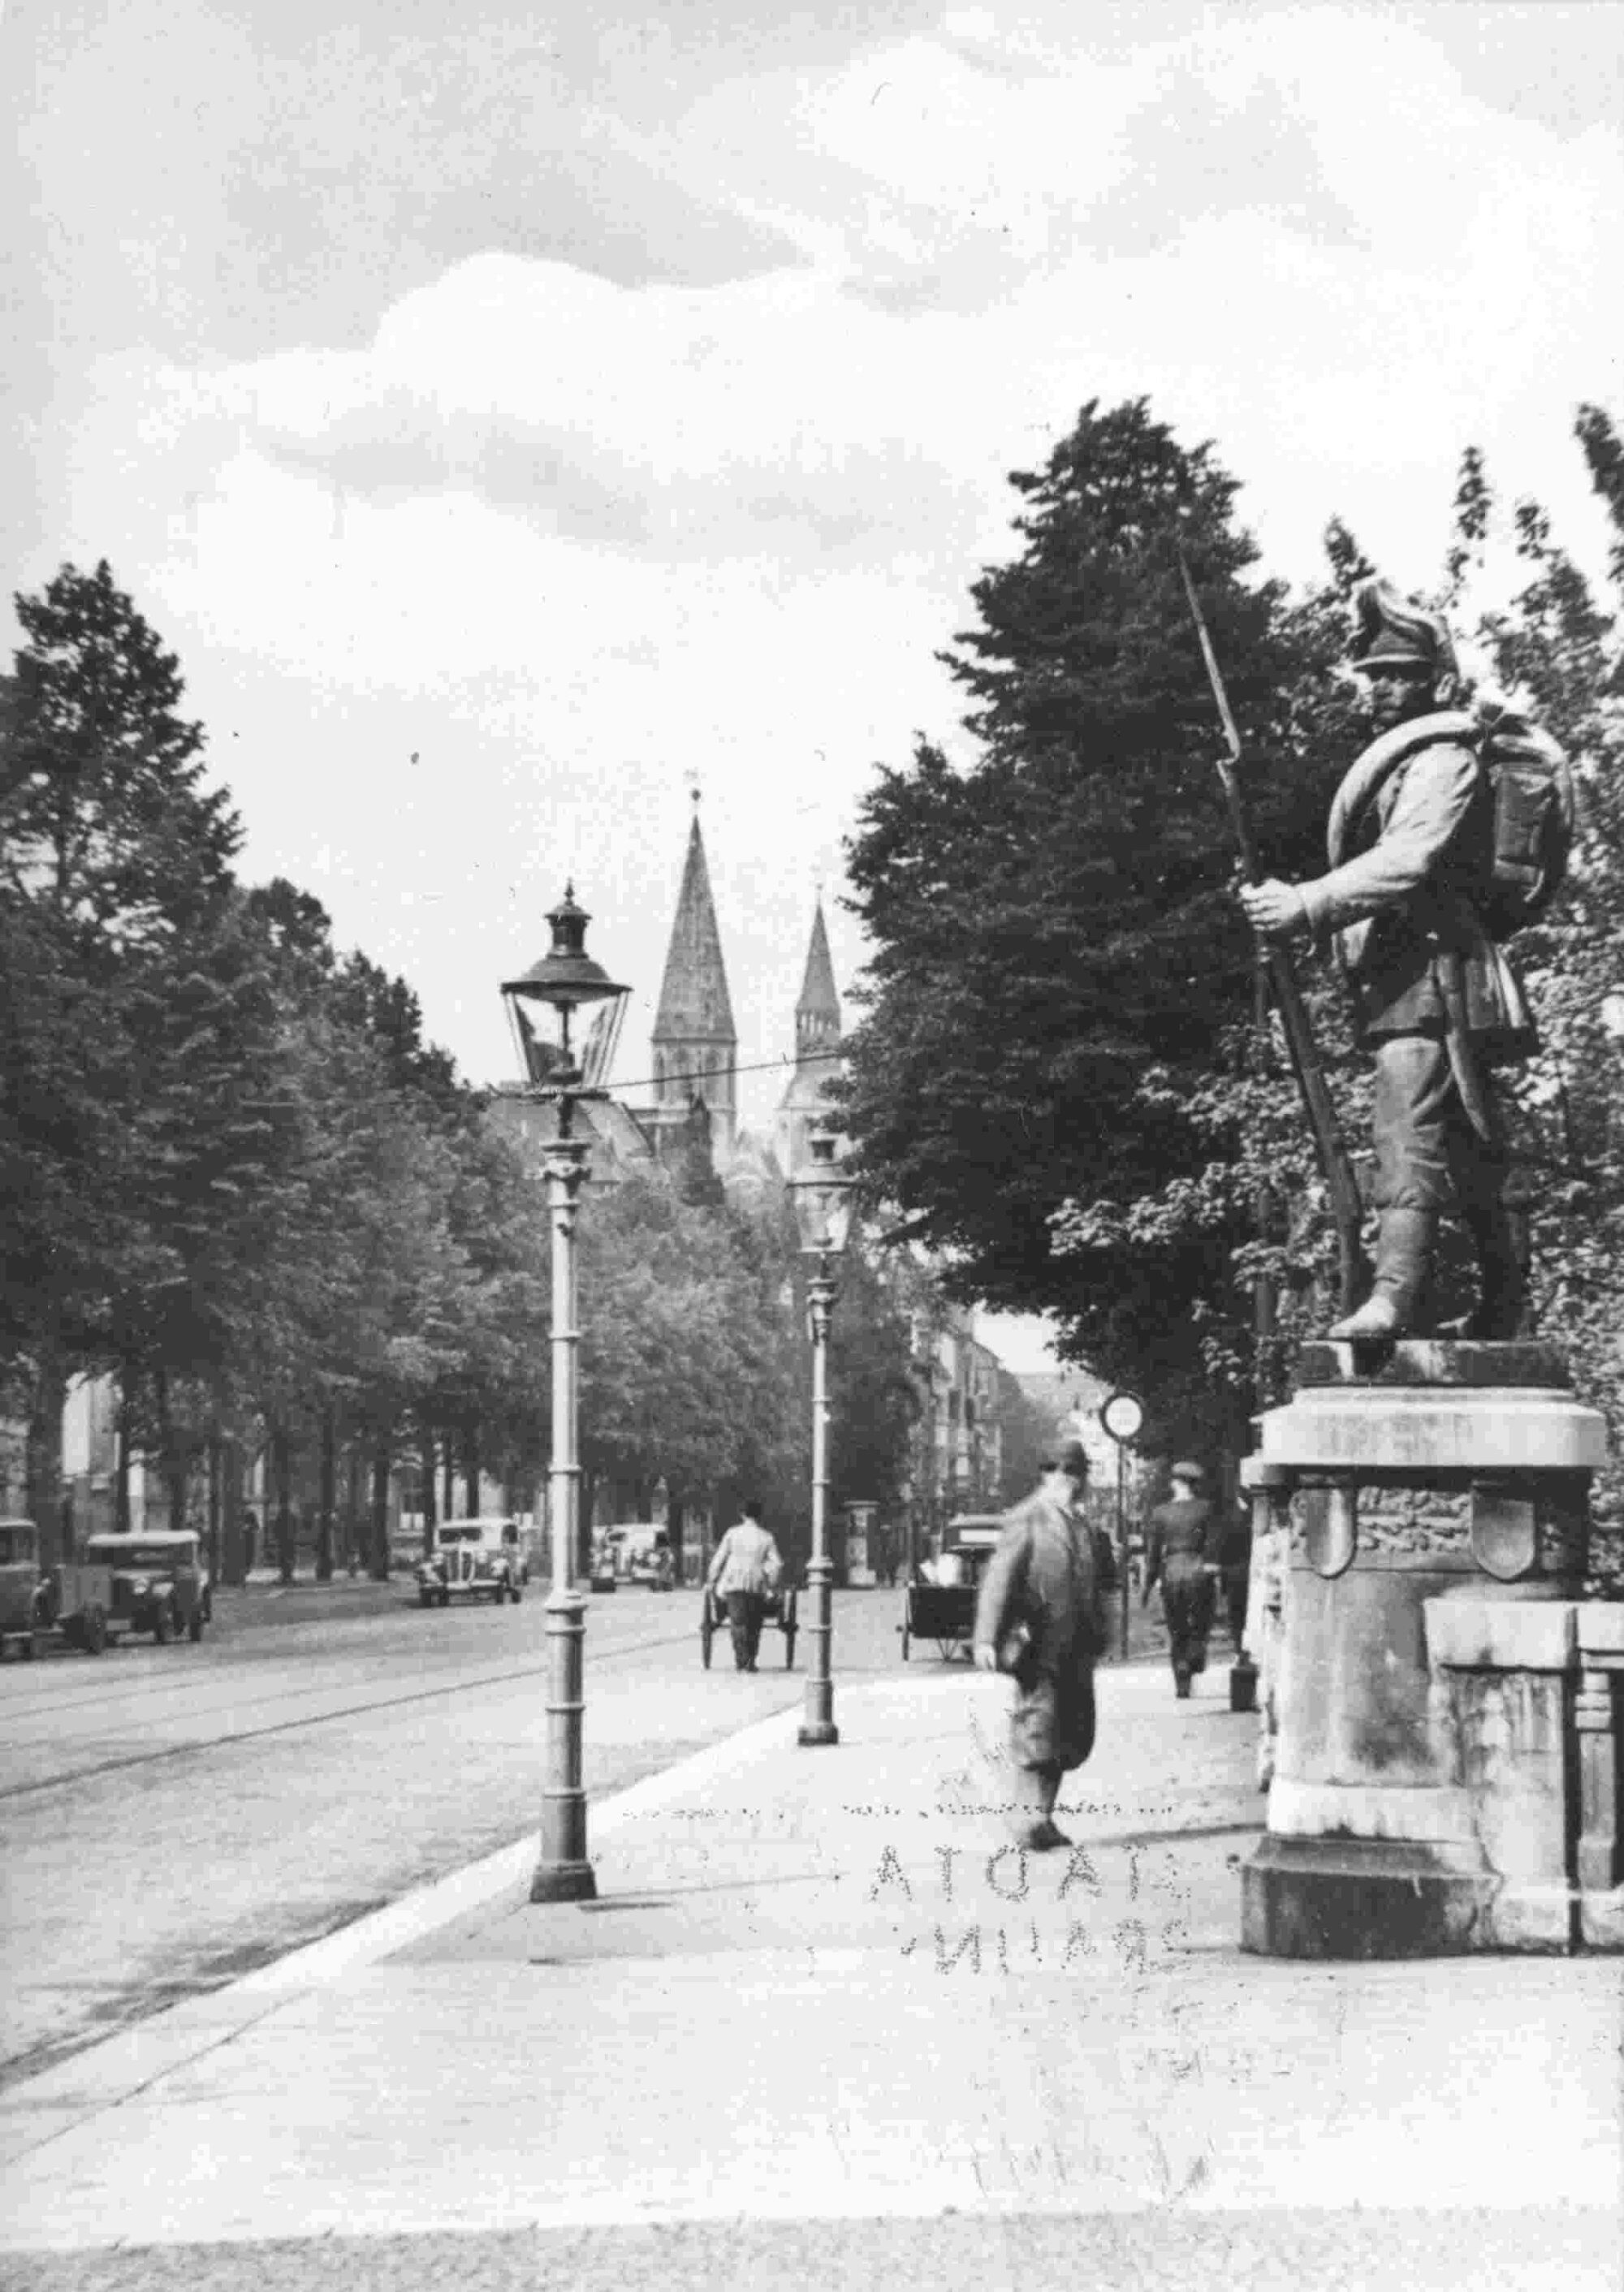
194 1626
515 1591
92 1631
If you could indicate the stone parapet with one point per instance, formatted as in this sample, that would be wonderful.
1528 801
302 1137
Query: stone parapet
1530 1695
1434 1428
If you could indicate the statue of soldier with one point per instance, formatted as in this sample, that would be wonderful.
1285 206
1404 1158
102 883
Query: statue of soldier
1412 849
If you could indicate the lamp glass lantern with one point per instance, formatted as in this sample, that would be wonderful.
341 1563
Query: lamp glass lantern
823 1199
542 1001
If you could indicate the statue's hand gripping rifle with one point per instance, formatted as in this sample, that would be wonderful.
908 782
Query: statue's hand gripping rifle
1335 1160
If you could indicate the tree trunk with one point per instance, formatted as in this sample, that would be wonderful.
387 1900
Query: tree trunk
233 1558
378 1564
328 1498
281 1465
42 1464
447 1509
212 1533
355 1469
431 1515
470 1470
121 1460
173 1451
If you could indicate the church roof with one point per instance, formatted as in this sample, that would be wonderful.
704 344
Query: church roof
817 996
693 996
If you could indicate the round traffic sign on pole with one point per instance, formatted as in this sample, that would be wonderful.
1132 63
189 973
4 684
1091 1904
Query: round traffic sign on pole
1121 1416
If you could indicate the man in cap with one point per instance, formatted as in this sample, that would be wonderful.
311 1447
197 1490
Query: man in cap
1041 1617
1411 843
1183 1558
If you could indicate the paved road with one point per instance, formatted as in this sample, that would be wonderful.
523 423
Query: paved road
175 1816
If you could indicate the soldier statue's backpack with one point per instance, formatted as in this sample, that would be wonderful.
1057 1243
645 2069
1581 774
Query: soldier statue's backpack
1532 786
1533 817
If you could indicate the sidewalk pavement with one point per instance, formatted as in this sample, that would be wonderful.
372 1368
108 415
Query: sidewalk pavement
820 2018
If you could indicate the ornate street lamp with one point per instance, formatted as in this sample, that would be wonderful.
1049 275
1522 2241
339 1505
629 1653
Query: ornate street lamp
823 1213
542 1004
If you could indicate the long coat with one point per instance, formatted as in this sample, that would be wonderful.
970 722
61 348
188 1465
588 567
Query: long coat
1405 908
1044 1574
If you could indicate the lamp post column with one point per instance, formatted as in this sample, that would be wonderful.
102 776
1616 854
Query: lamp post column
564 1874
818 1725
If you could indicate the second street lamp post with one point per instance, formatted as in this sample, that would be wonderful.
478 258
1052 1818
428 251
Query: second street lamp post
542 1003
823 1214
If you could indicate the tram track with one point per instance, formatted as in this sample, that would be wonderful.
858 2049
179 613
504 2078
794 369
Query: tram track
461 1684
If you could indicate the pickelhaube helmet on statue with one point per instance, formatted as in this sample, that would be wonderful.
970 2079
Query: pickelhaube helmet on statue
1396 632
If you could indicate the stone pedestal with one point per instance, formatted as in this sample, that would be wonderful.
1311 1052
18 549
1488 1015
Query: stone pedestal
1428 1472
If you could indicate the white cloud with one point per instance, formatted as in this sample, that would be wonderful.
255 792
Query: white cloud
569 539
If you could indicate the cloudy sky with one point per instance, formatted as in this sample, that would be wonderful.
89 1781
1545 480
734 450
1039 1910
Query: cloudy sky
510 414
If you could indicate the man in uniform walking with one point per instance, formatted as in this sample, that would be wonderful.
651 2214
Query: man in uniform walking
1041 1617
1182 1559
1412 846
744 1569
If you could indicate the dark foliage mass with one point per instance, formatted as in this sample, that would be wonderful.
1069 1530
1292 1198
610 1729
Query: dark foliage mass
1053 927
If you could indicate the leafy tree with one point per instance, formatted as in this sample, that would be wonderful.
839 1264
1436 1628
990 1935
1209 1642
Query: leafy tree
103 812
113 857
1057 956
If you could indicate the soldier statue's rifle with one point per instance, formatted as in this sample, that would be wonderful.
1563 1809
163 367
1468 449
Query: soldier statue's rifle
1334 1161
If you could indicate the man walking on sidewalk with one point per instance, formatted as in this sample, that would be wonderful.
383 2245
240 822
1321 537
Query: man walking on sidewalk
1183 1558
744 1570
1041 1617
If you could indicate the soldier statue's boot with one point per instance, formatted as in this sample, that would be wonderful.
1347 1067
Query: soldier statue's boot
1403 1261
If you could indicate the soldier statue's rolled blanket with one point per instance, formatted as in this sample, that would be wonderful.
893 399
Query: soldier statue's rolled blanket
1415 893
1041 1617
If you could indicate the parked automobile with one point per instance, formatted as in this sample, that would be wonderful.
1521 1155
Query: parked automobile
476 1559
19 1586
159 1582
636 1552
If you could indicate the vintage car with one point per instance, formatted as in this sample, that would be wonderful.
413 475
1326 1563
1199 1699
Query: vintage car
19 1586
479 1559
160 1582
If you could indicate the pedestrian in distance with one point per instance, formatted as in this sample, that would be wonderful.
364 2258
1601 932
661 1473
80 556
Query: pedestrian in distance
745 1570
1412 905
1041 1617
1183 1558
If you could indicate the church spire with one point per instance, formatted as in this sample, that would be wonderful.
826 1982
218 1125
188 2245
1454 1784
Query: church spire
816 1014
817 1036
694 1041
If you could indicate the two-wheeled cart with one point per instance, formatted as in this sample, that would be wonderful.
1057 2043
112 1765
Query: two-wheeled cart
780 1610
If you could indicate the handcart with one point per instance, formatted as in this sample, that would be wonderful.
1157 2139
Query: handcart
780 1610
944 1611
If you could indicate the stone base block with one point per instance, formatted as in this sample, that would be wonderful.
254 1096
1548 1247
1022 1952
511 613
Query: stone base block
1359 1898
1601 1920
